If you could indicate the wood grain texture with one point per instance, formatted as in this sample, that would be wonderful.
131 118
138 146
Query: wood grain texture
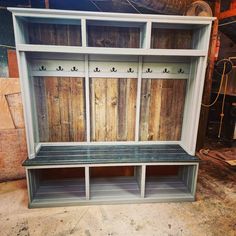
54 34
108 36
162 105
171 38
113 109
60 109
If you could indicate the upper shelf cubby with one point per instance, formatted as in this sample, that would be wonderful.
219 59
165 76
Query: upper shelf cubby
45 31
178 36
115 34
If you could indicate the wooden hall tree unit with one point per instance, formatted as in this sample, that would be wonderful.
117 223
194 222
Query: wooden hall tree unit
111 104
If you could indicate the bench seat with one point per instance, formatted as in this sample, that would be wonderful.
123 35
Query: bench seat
106 154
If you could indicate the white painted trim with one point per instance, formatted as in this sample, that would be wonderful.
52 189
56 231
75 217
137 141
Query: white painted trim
87 99
112 51
37 148
115 143
83 33
65 14
138 99
113 164
148 33
87 183
143 181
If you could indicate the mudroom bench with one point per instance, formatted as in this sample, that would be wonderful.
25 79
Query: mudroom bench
69 175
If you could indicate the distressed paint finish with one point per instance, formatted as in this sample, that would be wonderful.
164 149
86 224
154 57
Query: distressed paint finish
162 104
113 109
60 109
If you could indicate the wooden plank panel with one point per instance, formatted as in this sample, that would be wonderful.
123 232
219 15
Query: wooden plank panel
98 89
54 34
171 38
144 111
60 109
111 109
41 108
122 111
167 116
108 36
78 126
154 112
162 105
53 108
65 107
131 108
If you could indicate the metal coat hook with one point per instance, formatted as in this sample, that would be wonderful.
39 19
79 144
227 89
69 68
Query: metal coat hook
148 70
181 71
113 69
96 70
130 70
59 68
42 68
166 71
74 69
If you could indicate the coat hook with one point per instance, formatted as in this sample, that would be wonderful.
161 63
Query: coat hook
59 68
181 71
74 69
42 68
166 71
113 69
130 70
148 70
96 70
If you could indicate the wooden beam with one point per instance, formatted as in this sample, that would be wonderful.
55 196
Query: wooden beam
208 79
227 14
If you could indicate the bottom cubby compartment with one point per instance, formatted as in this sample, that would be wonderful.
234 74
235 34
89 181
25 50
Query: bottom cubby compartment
170 182
118 183
57 185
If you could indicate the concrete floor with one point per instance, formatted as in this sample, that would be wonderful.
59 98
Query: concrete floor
214 212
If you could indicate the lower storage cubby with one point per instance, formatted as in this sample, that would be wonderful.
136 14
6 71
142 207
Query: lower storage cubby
59 185
170 182
119 183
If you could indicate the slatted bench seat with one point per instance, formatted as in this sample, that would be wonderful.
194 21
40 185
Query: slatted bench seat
66 175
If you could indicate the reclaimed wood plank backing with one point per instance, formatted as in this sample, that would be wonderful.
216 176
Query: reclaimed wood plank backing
113 109
108 36
54 34
162 105
171 38
41 108
60 109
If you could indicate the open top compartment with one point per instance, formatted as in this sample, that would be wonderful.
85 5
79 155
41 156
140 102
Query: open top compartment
57 184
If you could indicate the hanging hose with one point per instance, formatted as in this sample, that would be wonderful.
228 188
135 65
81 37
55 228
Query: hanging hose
226 77
223 106
218 94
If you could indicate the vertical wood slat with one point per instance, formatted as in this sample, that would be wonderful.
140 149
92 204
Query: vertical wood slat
162 105
138 101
